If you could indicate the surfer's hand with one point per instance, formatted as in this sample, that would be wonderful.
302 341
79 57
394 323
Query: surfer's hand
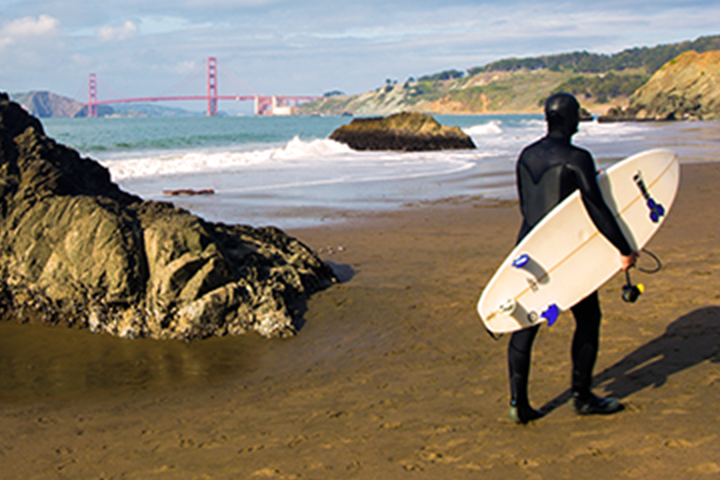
627 261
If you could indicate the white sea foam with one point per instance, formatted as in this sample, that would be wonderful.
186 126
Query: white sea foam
316 158
317 149
174 162
494 127
505 139
610 132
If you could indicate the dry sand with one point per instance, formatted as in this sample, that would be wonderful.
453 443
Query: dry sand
393 376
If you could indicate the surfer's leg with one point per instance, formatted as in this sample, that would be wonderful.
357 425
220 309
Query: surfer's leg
584 353
585 343
519 355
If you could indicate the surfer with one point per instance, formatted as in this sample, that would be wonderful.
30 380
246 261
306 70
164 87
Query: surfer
547 172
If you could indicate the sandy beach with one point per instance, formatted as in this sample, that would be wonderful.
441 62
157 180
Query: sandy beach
392 375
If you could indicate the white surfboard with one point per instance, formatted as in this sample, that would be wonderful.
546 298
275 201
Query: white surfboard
564 257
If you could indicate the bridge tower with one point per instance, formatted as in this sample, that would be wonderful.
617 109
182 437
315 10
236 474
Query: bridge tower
212 87
92 96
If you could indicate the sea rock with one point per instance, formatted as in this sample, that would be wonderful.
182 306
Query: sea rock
408 132
615 114
76 249
685 88
585 115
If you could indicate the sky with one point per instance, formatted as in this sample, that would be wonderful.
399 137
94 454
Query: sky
140 48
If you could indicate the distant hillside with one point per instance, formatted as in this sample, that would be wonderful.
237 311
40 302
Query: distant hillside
687 87
49 105
517 85
153 110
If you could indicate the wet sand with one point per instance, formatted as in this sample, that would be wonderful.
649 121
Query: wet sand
392 375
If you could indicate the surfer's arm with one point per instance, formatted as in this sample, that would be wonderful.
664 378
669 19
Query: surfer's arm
627 261
600 213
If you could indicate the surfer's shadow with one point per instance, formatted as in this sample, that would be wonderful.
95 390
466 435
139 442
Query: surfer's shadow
688 341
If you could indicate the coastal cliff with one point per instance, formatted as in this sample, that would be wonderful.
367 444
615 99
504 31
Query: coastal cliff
685 88
76 249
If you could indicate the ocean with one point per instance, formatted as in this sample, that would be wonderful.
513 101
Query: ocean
283 171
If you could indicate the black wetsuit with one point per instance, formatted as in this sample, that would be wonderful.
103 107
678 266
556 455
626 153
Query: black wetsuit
547 172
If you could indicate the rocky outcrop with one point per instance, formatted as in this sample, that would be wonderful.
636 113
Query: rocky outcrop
615 114
685 88
76 249
188 191
403 131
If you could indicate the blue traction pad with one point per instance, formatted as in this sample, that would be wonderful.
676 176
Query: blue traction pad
521 261
551 314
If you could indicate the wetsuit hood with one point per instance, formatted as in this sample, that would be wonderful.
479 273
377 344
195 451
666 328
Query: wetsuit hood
562 112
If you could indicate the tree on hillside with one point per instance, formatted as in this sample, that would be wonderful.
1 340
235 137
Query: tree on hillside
649 59
446 75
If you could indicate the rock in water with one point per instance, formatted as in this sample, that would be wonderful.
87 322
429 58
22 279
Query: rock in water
76 249
409 132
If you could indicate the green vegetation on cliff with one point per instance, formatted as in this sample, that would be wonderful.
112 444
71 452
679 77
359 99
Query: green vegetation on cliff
649 59
603 87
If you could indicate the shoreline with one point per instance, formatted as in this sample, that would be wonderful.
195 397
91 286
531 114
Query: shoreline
393 374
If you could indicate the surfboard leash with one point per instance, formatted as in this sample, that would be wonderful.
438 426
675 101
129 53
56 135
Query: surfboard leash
630 292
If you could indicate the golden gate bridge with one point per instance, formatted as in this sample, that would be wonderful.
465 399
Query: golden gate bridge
264 104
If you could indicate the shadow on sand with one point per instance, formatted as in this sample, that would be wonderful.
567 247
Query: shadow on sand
688 341
344 273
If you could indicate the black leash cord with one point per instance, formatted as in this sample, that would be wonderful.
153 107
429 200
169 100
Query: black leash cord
658 263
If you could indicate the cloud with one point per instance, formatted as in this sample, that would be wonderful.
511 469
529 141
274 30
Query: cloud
156 24
229 3
26 28
108 33
185 67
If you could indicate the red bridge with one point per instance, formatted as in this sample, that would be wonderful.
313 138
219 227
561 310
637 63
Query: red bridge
264 104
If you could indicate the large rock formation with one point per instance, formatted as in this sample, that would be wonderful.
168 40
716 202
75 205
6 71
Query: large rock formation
76 249
685 88
403 131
